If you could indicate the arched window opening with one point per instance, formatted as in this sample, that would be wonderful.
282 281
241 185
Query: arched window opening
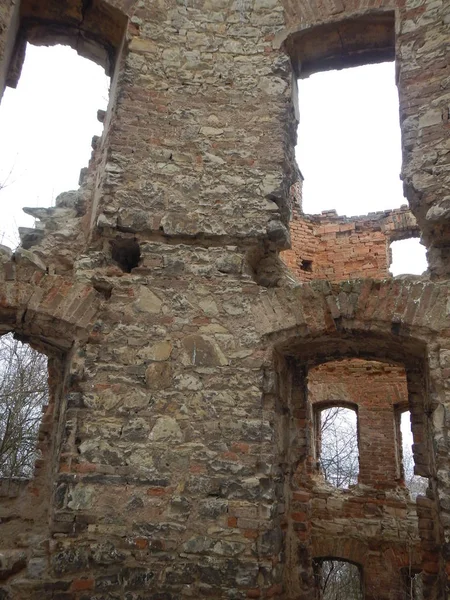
24 393
354 401
337 580
408 257
416 485
413 584
349 147
338 450
47 126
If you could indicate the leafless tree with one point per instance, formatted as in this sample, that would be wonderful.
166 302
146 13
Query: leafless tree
338 580
23 392
339 456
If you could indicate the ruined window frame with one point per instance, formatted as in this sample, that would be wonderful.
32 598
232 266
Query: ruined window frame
317 564
318 408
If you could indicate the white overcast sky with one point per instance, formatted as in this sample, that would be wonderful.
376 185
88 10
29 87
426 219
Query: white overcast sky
348 148
46 126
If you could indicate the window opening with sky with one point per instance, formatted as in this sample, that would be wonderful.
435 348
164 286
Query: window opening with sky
47 124
349 148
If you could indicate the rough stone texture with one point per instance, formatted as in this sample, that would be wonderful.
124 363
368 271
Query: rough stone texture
178 449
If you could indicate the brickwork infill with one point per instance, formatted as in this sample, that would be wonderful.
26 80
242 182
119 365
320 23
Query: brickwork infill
336 248
376 529
377 389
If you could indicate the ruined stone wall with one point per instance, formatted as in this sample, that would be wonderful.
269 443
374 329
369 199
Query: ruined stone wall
336 248
181 457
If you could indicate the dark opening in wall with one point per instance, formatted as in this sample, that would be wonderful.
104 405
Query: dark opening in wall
306 265
126 253
24 393
337 579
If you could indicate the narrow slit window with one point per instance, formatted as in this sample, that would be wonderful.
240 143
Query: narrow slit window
24 394
338 580
416 485
338 446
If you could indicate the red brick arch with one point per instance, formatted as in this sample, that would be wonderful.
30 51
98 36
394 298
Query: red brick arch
389 319
357 552
45 309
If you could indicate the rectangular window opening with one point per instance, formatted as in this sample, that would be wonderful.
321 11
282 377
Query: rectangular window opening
338 450
416 485
47 126
24 394
349 146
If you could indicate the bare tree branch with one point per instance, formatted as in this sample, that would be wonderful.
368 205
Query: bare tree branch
23 393
339 456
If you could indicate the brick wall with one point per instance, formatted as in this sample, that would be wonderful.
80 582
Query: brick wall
377 390
336 248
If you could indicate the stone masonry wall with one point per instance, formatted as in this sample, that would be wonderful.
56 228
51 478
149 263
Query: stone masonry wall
178 456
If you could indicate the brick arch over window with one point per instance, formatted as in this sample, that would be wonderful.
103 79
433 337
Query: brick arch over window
357 552
354 551
95 29
54 315
46 310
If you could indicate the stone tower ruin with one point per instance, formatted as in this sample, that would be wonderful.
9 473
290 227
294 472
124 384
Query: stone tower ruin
196 320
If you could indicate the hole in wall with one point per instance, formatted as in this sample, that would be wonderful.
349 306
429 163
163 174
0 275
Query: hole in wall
349 147
408 257
126 253
46 126
24 393
306 265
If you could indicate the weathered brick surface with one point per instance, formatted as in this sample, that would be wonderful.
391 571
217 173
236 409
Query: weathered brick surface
379 392
338 248
178 452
